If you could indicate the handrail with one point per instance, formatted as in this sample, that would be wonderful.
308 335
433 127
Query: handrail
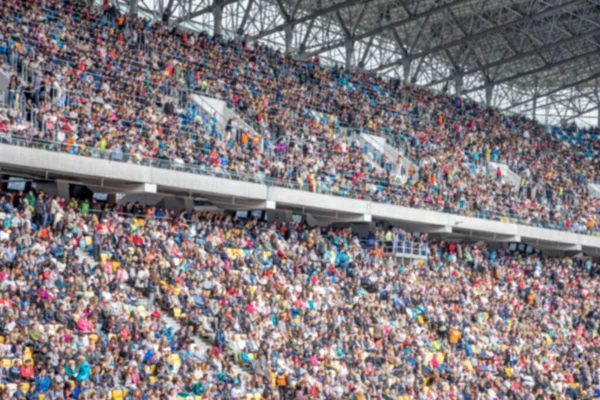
362 88
251 81
221 172
199 99
425 110
399 247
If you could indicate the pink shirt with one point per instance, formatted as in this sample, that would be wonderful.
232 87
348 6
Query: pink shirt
84 325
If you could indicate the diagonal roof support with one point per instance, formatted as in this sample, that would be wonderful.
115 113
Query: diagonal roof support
384 28
242 26
583 112
482 34
309 17
215 5
554 91
536 70
520 56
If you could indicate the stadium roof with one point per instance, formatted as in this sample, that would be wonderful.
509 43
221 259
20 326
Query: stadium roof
539 57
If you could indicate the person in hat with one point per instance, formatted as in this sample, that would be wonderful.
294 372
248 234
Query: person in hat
282 383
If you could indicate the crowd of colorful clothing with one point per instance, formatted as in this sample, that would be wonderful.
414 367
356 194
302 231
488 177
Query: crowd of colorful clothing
129 301
100 83
287 311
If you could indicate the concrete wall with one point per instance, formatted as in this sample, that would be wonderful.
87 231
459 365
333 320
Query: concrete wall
4 80
211 105
594 190
224 113
93 167
343 209
508 175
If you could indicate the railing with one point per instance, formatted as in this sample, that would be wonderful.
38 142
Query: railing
390 158
180 93
399 247
349 191
378 158
203 104
345 191
369 91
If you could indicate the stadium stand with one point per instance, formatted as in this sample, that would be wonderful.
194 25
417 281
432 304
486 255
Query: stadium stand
86 289
133 103
129 301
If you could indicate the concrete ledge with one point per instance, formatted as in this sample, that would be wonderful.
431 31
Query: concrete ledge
79 166
260 196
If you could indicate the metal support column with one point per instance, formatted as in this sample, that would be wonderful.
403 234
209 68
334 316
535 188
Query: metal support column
406 69
289 35
597 93
133 7
489 94
217 17
349 54
535 98
458 84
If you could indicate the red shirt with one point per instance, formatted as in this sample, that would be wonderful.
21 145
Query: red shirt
26 372
5 303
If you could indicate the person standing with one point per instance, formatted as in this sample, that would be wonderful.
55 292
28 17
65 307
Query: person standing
97 244
40 211
282 383
153 289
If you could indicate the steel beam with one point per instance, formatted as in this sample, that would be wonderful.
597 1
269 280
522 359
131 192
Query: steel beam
308 17
284 12
217 17
534 110
242 26
536 70
458 84
479 35
406 69
289 36
205 10
519 56
583 112
554 91
133 7
349 55
387 27
489 94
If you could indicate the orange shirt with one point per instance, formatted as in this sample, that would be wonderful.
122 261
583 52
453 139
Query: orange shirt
71 142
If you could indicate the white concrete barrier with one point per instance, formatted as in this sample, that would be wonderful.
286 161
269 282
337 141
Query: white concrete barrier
270 197
508 175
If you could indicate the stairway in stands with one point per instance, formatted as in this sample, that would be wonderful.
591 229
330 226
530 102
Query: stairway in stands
200 347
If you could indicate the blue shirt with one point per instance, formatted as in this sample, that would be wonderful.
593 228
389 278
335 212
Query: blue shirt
43 384
84 372
78 391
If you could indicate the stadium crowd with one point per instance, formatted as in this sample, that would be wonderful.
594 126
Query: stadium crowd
290 312
313 312
112 85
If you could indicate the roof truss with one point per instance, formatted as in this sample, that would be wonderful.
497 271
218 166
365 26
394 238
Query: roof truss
477 46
